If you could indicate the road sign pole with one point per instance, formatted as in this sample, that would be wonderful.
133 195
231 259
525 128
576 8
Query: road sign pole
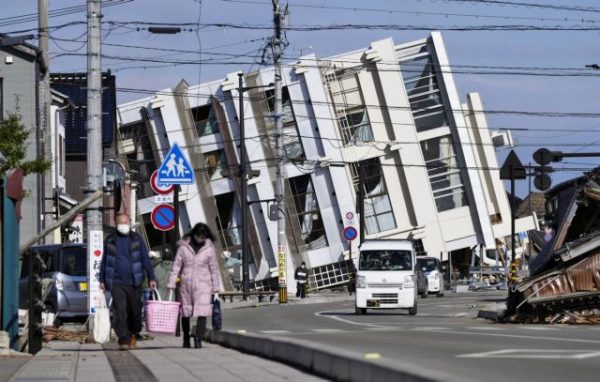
361 203
176 228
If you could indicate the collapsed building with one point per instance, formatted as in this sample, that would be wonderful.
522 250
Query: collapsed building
564 260
430 163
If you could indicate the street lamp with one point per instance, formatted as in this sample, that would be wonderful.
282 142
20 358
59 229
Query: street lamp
244 175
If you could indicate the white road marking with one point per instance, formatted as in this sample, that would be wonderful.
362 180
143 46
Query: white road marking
326 330
559 339
429 328
534 354
275 331
485 328
382 328
331 315
528 327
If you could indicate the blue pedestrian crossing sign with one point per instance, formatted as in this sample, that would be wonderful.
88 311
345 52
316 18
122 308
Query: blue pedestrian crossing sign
175 168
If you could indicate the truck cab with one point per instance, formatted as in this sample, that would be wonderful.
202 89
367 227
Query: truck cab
386 276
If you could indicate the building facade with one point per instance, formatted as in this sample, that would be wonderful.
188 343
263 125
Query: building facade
21 69
392 112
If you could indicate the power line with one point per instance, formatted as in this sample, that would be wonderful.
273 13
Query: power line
416 13
398 27
577 72
574 8
553 114
59 12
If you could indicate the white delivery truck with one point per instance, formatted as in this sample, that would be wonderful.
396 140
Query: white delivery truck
434 271
385 276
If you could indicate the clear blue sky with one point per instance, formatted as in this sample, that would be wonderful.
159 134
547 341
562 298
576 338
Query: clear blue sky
539 49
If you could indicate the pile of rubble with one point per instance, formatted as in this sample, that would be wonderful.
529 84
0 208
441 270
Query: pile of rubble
59 334
588 317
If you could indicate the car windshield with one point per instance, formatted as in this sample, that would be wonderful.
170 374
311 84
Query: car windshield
385 260
427 265
74 261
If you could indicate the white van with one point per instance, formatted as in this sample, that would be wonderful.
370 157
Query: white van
434 271
385 276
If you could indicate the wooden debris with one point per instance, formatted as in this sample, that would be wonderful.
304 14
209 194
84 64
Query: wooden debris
57 334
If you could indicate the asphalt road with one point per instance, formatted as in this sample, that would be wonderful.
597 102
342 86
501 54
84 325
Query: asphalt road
445 336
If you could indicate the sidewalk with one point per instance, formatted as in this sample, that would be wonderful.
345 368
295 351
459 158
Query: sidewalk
160 359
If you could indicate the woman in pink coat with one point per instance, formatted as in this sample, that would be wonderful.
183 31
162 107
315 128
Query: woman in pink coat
198 269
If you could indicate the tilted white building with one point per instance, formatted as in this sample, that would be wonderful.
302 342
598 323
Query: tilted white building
391 110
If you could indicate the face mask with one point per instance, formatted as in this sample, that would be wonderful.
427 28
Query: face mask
199 241
123 229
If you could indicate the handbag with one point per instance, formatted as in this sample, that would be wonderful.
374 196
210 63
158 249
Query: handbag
102 320
217 318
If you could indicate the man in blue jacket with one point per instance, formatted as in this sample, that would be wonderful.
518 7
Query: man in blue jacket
122 273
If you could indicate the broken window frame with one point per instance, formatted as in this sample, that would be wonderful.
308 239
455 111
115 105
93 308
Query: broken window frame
292 144
204 122
351 130
308 212
213 170
426 101
376 219
445 175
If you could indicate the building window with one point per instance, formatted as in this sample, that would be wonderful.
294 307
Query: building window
142 159
379 216
444 173
308 213
204 120
215 162
419 248
422 88
350 109
229 221
291 139
61 155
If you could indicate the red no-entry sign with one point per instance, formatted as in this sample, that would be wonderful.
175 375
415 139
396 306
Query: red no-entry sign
160 188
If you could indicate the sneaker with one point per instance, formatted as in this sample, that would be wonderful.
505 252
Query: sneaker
133 342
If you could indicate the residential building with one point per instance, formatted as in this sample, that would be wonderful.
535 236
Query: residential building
21 68
389 111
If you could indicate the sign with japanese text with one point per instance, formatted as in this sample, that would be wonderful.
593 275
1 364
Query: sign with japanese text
95 253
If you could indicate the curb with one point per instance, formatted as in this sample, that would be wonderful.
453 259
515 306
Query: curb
327 362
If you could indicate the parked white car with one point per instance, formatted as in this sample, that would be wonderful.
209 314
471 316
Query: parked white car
434 271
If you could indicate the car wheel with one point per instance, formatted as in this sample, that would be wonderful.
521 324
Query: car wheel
413 311
360 311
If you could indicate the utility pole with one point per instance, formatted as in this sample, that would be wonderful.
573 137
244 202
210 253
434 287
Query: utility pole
279 159
244 193
95 237
44 140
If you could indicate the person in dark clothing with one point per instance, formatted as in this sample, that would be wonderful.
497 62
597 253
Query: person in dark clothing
301 276
122 273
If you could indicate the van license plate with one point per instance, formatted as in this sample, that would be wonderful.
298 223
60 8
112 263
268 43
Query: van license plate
373 303
83 287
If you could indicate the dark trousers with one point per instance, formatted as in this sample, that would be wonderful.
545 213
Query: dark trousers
301 290
200 329
127 311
